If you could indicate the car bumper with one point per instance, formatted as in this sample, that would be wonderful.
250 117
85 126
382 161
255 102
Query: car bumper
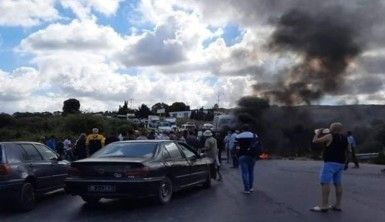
10 189
130 188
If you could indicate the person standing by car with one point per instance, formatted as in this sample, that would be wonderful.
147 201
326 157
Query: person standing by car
211 150
334 157
68 149
60 147
247 155
51 143
94 141
352 151
80 149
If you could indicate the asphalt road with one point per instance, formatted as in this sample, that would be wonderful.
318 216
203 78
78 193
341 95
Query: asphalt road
285 190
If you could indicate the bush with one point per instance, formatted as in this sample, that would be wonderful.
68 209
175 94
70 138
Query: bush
6 120
82 123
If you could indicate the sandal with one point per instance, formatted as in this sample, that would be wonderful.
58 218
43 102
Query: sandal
334 208
319 209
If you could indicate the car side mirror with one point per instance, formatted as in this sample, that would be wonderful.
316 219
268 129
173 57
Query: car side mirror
57 158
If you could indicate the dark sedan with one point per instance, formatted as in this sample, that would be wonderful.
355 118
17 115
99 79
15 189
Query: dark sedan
28 169
131 169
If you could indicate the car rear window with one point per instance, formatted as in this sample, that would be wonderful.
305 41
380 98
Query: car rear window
131 150
15 154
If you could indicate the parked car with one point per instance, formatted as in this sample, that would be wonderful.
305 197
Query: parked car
28 169
136 169
188 127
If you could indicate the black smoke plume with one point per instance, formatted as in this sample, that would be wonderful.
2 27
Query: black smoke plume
326 41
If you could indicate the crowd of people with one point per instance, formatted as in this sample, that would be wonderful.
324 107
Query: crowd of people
242 148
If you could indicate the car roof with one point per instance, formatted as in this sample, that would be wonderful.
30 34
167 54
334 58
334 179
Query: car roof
25 142
145 141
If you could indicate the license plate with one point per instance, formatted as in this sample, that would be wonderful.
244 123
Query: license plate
101 188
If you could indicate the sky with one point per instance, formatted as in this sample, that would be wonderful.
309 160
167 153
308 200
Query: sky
103 52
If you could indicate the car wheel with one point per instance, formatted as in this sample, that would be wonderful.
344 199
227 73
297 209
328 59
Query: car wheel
165 191
207 183
91 200
26 199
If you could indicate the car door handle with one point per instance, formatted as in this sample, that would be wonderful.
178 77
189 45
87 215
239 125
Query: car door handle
168 164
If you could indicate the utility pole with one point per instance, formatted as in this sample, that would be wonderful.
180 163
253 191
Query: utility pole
219 94
131 102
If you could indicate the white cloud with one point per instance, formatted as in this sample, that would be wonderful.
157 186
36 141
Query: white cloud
183 58
27 13
83 8
18 84
83 35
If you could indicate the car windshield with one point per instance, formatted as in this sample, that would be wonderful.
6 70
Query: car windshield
164 124
1 155
131 150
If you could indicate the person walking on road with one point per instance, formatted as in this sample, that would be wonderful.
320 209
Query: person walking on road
233 151
211 150
227 145
94 141
247 153
334 161
352 151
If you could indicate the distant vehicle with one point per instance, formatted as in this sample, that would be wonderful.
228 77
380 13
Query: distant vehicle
164 126
153 122
132 169
188 126
28 169
222 121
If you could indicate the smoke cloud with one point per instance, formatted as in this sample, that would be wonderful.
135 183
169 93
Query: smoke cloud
326 41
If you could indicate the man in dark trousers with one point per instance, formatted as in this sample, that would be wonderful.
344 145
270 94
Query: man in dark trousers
247 156
352 151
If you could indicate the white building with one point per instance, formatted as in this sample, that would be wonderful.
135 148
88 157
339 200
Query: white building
180 114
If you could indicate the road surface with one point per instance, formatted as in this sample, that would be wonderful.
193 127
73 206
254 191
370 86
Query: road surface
285 190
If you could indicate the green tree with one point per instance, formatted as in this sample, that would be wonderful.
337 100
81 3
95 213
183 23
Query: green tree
123 110
6 120
178 106
159 106
143 111
71 106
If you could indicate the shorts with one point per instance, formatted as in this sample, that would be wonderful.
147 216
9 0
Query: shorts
332 171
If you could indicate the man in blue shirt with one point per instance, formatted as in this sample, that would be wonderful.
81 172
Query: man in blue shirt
51 143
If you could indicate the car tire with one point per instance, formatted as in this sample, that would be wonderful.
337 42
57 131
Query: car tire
165 191
26 199
207 183
91 200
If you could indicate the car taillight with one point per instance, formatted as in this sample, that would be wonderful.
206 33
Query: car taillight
137 172
73 171
5 169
